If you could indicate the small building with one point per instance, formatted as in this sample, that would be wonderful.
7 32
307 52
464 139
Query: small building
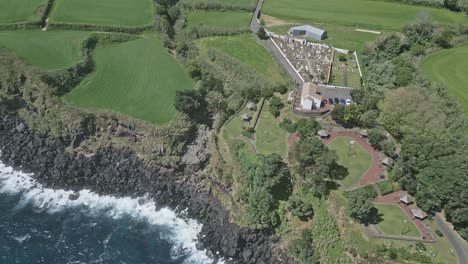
309 97
323 133
407 199
251 105
246 117
363 133
418 213
308 32
387 162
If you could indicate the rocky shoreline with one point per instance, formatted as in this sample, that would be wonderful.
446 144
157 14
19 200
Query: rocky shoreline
119 172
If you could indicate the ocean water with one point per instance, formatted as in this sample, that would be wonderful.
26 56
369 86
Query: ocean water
40 225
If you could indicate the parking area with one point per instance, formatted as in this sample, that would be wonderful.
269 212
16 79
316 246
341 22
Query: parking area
337 95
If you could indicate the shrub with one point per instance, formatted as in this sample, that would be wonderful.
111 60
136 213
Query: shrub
342 57
288 125
275 106
439 233
249 132
261 34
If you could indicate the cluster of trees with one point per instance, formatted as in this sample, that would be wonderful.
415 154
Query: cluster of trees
427 122
360 205
275 105
456 5
305 128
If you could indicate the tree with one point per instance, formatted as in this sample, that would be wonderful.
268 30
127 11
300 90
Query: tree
369 119
300 207
275 106
347 116
261 34
190 102
444 39
307 127
376 137
360 205
303 248
452 5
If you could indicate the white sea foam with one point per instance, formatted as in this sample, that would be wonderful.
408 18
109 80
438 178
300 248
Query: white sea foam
182 232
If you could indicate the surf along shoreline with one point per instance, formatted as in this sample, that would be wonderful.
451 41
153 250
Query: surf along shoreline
119 172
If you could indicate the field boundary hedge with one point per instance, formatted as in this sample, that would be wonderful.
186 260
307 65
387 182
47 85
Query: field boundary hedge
104 28
204 31
216 6
427 3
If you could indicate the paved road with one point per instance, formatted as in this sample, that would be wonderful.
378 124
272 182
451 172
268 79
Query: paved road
460 245
254 27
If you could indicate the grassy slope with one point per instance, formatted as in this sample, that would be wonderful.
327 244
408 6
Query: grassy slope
450 68
138 78
356 13
12 11
393 224
357 163
103 12
46 50
245 49
270 138
227 20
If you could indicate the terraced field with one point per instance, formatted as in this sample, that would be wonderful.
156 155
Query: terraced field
245 49
103 12
137 78
449 67
225 20
12 11
49 50
356 13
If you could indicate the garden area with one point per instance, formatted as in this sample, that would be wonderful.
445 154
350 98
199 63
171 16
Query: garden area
138 78
345 71
354 158
50 50
393 221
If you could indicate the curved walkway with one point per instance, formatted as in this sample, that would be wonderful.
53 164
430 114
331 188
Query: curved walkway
460 245
372 174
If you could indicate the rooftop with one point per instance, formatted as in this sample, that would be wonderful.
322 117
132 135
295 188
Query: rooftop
309 28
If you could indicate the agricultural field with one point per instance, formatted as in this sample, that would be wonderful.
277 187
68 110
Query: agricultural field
50 50
13 11
104 12
270 138
227 4
449 67
393 221
245 49
137 78
356 159
225 20
374 15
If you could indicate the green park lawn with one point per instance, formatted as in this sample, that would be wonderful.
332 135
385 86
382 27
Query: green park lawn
137 78
357 160
338 36
450 67
246 50
224 20
49 50
12 11
103 12
270 138
393 221
379 15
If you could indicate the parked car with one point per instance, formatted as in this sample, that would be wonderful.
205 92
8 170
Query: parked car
348 101
330 101
337 101
342 101
324 101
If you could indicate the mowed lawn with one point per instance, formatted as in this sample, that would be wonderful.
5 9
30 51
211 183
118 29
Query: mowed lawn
137 78
357 160
270 138
450 67
12 11
47 50
356 13
103 12
225 20
245 49
393 221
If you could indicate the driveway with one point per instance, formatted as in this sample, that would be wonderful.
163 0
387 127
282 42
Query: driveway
460 245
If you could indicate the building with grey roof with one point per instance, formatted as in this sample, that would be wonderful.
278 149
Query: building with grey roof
308 32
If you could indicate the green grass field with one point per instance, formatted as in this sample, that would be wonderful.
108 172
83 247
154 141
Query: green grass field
356 13
12 11
103 12
357 162
226 20
138 78
449 67
48 50
393 221
270 138
245 49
